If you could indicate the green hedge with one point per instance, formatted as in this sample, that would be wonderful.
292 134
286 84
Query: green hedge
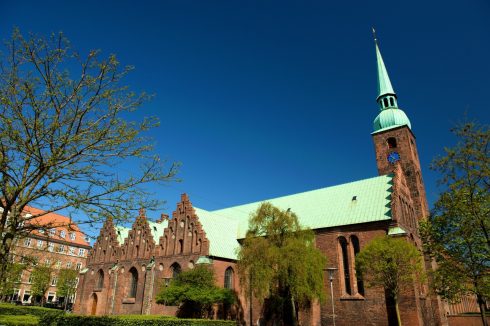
11 309
132 320
18 320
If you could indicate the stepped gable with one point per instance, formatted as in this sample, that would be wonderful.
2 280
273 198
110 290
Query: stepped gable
184 233
402 205
139 242
106 247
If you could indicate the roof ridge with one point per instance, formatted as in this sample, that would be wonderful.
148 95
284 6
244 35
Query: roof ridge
305 192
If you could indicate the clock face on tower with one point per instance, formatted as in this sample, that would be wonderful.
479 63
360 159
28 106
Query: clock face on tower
393 157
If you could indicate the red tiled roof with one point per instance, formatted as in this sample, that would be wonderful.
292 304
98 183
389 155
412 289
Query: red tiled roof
57 222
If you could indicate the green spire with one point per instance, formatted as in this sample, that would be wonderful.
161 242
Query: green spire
390 116
384 83
386 95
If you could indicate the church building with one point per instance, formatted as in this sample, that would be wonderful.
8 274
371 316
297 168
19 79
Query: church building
128 266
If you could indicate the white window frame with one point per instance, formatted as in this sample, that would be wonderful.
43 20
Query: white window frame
40 243
61 249
54 281
72 236
52 231
50 246
63 234
79 266
68 264
27 242
71 251
81 252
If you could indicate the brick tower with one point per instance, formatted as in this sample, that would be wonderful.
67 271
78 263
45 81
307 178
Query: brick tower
394 140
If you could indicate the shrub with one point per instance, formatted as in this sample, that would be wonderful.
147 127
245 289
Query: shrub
10 309
132 320
19 320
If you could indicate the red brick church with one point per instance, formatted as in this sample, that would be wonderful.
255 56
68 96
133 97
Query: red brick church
127 267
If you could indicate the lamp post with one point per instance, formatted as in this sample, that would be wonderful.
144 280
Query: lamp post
330 271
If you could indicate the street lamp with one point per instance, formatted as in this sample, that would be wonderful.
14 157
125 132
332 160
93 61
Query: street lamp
330 271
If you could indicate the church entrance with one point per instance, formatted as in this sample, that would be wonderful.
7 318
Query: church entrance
94 304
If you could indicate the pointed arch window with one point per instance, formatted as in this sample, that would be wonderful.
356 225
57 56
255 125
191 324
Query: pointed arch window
100 279
355 244
229 278
176 269
133 285
345 265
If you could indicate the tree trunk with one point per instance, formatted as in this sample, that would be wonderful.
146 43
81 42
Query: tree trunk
294 314
398 318
481 304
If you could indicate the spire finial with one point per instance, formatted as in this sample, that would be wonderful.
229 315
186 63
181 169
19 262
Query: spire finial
374 35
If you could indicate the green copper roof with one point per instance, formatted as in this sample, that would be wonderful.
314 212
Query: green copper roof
221 231
122 233
390 118
384 83
396 230
155 228
351 203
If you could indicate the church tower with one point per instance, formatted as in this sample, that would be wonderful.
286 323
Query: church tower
394 140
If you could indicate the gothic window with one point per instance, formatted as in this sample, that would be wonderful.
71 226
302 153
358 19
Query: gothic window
391 142
133 286
355 243
100 279
391 101
137 250
181 246
176 269
345 263
385 101
229 278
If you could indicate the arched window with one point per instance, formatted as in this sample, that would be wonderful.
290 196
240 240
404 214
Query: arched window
100 279
392 102
391 142
229 278
360 284
176 269
385 101
345 263
181 246
133 285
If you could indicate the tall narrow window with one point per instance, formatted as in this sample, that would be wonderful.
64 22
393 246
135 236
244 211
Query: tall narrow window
360 283
229 278
100 280
345 263
133 286
181 246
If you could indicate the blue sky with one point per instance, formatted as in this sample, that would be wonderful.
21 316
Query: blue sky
260 99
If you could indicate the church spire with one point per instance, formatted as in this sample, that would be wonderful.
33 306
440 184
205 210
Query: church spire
386 95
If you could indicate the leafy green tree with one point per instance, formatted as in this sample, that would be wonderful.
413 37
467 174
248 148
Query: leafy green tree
278 262
195 290
13 275
392 263
457 232
67 284
64 134
41 278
